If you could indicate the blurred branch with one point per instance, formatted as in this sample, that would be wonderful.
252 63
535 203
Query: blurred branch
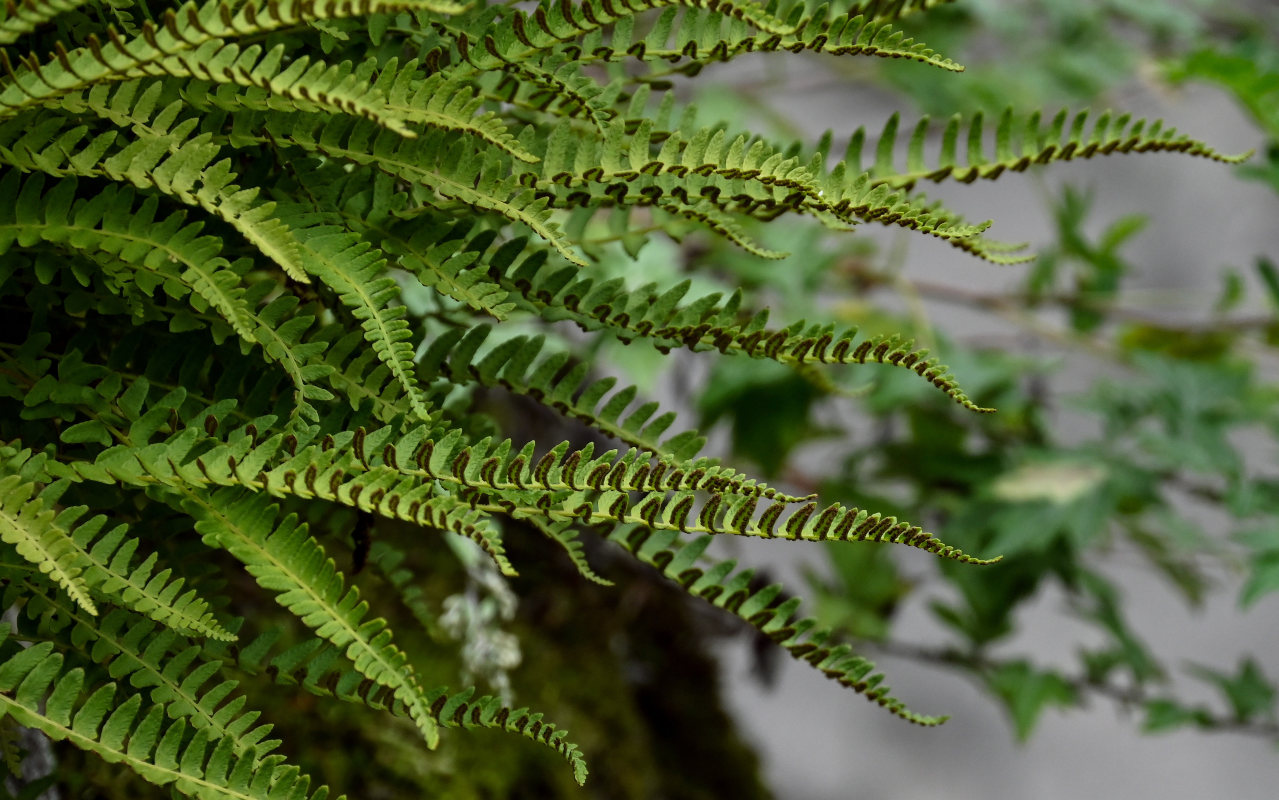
1016 303
980 667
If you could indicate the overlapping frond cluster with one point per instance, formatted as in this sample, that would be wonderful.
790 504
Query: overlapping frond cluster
251 254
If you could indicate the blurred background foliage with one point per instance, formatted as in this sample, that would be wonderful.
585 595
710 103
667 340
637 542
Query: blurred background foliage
1167 454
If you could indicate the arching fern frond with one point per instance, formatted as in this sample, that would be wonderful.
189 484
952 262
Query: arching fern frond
893 9
710 177
166 157
118 223
444 101
566 535
763 608
560 383
298 85
449 166
284 558
1021 141
711 321
693 32
103 565
137 586
319 669
463 710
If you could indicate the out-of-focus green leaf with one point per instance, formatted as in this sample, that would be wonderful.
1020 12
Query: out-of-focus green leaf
1250 72
1026 692
1250 693
1164 715
749 392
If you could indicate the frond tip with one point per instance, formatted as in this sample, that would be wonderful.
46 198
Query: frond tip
1021 141
459 710
764 608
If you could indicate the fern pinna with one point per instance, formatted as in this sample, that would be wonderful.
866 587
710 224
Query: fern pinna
253 258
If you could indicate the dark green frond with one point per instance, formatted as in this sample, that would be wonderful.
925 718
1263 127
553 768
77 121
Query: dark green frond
767 609
463 710
560 383
320 669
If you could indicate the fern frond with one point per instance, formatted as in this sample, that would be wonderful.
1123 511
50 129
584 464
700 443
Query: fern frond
446 102
281 330
284 558
558 382
355 372
114 223
710 322
566 536
1020 143
554 79
164 156
446 165
155 660
183 30
894 9
99 564
34 531
764 609
104 566
355 271
383 489
447 456
36 692
451 266
318 668
158 596
24 16
735 514
702 36
709 177
169 464
459 710
301 84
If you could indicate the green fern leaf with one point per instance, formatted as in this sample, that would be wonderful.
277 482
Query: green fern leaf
1022 142
180 31
159 661
319 668
765 609
114 223
354 270
285 559
36 692
461 711
33 530
568 538
25 16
